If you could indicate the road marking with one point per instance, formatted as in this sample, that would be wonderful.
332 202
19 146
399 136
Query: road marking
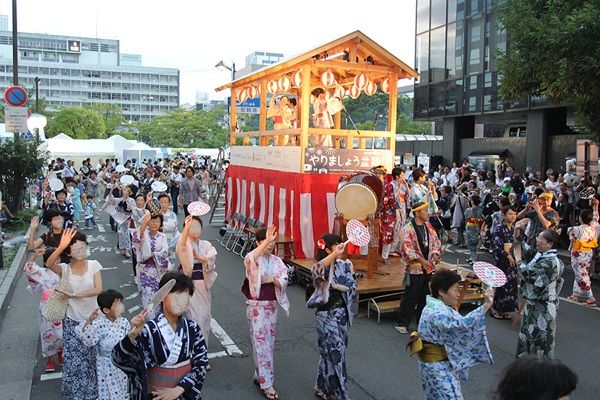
125 285
108 268
133 309
217 355
133 296
51 376
101 228
126 261
579 304
224 338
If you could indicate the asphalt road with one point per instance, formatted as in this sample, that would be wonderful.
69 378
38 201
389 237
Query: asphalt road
378 365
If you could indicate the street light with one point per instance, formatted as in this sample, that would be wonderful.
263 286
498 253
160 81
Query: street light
221 66
37 94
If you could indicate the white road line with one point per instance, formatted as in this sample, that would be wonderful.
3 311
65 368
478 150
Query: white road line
51 376
133 296
224 338
101 228
218 354
125 285
126 261
108 268
579 304
133 309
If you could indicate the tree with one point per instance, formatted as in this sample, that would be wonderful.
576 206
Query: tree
405 124
79 123
183 128
552 51
19 161
111 114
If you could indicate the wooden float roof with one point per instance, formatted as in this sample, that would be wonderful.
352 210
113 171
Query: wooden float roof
384 61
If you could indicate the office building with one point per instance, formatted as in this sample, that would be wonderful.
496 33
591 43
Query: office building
258 60
79 71
455 52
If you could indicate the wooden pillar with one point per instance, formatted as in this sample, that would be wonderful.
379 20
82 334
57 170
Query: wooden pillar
232 117
337 124
305 112
393 111
262 124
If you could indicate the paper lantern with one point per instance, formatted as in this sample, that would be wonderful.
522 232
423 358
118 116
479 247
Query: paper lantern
284 84
297 78
385 86
242 95
360 81
252 92
354 92
340 92
370 88
327 95
272 87
327 79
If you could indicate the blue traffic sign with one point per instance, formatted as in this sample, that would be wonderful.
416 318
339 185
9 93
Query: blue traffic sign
15 96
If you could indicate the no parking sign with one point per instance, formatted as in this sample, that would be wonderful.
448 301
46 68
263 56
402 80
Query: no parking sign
15 96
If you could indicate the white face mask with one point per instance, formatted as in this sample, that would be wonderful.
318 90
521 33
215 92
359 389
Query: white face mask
179 302
79 251
71 190
58 223
119 310
195 230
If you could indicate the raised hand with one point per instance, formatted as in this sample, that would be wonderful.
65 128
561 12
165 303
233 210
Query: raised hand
137 323
271 233
35 221
66 238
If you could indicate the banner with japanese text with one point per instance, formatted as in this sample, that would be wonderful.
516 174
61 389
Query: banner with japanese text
324 160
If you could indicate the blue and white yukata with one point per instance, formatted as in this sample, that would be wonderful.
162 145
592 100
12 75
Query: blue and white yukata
466 344
333 319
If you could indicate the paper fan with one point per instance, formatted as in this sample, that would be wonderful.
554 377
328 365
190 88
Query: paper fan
198 208
120 169
159 186
56 184
127 179
587 193
489 274
357 233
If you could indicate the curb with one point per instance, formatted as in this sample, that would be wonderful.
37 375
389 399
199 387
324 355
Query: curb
12 277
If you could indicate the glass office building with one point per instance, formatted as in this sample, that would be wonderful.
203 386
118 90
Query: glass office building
456 43
78 71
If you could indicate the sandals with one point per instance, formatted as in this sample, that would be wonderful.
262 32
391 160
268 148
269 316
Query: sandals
590 302
498 315
271 395
574 298
320 394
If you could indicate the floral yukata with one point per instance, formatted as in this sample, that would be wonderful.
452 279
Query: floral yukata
584 239
44 280
474 220
153 263
159 346
261 311
120 209
104 335
465 341
333 318
541 282
505 297
203 275
388 213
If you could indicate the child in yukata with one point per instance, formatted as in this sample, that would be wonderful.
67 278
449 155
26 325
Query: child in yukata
90 211
104 333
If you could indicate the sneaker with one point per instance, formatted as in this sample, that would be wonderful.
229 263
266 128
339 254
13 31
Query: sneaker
50 366
401 329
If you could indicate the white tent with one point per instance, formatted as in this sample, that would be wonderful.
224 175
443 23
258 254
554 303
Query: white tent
78 150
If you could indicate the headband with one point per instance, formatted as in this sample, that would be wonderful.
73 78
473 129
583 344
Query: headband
420 206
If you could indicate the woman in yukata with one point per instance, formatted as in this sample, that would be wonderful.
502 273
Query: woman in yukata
153 256
335 290
264 287
448 343
541 282
169 220
165 357
197 259
121 212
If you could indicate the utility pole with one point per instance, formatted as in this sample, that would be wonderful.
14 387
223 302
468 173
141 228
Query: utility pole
15 52
37 94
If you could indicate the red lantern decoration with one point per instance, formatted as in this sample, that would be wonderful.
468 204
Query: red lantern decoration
242 96
297 78
370 88
340 92
354 91
360 81
385 86
272 87
328 79
284 84
252 92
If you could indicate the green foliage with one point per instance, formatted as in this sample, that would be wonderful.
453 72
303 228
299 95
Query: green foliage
112 116
553 51
183 128
19 161
79 123
405 124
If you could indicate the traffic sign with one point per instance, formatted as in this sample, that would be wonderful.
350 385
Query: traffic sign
15 119
15 96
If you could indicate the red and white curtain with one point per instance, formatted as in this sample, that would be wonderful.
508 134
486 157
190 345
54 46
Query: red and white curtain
300 205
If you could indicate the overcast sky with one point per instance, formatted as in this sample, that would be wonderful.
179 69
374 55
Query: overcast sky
194 35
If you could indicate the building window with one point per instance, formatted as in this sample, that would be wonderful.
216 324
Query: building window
436 100
437 55
473 94
421 101
451 11
454 97
475 6
422 16
422 52
438 13
474 45
451 51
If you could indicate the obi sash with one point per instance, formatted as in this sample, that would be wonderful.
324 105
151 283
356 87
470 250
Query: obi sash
426 351
267 291
585 245
474 222
168 377
197 272
277 119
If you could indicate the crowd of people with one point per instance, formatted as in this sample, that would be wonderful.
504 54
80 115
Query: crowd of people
161 353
